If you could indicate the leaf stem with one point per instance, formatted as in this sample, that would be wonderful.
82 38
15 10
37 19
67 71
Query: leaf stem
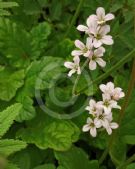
78 77
128 161
112 69
74 17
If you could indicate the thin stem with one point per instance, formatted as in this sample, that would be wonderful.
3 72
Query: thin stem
112 69
74 17
122 112
128 161
78 77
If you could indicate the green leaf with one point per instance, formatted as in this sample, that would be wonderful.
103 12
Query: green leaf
46 132
131 166
8 147
46 166
12 166
28 111
10 82
75 158
8 4
8 116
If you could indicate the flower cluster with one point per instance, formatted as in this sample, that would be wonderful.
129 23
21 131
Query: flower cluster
93 49
101 112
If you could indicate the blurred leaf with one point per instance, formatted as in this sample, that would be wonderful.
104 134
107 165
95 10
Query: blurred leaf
9 146
75 158
46 166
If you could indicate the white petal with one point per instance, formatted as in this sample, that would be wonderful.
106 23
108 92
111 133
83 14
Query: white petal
92 103
107 110
101 62
104 30
109 130
89 120
91 19
100 12
92 65
86 128
79 44
69 65
93 131
87 108
109 17
71 72
89 54
82 28
94 28
76 53
110 85
114 125
107 40
105 123
99 52
97 123
76 60
102 88
97 43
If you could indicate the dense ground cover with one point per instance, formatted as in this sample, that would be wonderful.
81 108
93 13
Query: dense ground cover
42 109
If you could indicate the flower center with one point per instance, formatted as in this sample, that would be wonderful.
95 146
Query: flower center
98 36
92 125
106 103
101 22
85 50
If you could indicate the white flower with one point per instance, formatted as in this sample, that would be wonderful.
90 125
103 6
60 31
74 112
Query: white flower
101 18
90 126
99 35
85 50
96 59
107 104
115 93
103 119
111 125
74 66
108 88
93 107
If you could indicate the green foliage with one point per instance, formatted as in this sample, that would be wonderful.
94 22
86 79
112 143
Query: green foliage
51 133
34 86
8 116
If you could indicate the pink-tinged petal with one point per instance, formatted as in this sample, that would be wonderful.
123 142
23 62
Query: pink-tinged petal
99 52
79 44
107 110
109 17
71 72
93 131
89 43
76 53
89 54
105 123
92 65
104 30
114 125
97 123
69 65
100 13
109 130
82 28
101 62
86 128
76 60
91 19
94 28
102 88
110 85
97 43
107 40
